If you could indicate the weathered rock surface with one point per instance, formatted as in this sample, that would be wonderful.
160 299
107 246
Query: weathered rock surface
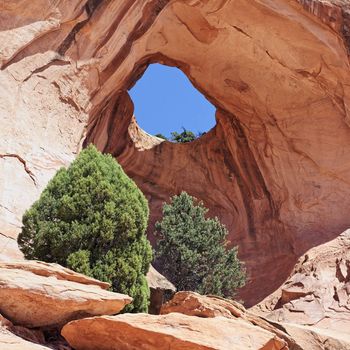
207 306
317 292
161 290
37 295
313 305
175 331
194 304
313 338
45 269
298 337
275 167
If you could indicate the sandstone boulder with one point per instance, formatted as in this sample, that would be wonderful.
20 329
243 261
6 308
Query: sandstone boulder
45 269
161 290
36 294
194 304
298 337
9 248
175 331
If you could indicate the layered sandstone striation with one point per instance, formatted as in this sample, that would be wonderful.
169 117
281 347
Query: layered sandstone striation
275 167
334 13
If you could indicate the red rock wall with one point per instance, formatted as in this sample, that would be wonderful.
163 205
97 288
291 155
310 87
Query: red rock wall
275 168
271 168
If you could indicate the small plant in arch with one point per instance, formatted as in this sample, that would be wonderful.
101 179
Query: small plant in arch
92 218
192 250
183 137
161 136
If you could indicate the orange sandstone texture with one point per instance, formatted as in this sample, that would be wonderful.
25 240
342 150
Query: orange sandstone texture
57 271
194 304
317 293
173 331
35 294
275 169
297 336
272 169
208 306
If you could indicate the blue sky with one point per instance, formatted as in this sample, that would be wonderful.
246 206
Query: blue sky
165 101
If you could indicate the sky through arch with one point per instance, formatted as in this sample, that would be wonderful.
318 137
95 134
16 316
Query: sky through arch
165 101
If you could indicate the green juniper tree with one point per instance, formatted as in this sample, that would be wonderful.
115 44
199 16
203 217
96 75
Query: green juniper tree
92 218
192 251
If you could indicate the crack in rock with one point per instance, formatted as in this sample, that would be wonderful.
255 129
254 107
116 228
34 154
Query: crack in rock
24 163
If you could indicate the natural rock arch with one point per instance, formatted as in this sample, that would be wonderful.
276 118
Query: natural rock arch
274 169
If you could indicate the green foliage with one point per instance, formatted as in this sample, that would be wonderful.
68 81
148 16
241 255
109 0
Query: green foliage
161 136
92 218
183 137
192 250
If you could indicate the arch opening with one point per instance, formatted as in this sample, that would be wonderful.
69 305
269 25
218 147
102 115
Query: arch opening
167 105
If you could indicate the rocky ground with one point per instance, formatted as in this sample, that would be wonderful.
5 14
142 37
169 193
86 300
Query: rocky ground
46 306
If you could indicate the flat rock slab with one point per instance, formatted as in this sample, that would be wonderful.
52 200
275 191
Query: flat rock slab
37 295
45 269
173 331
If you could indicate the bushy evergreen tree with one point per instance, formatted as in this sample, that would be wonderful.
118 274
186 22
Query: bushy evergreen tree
192 250
92 218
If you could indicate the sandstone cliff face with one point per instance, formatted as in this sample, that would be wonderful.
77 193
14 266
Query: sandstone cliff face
275 168
41 125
